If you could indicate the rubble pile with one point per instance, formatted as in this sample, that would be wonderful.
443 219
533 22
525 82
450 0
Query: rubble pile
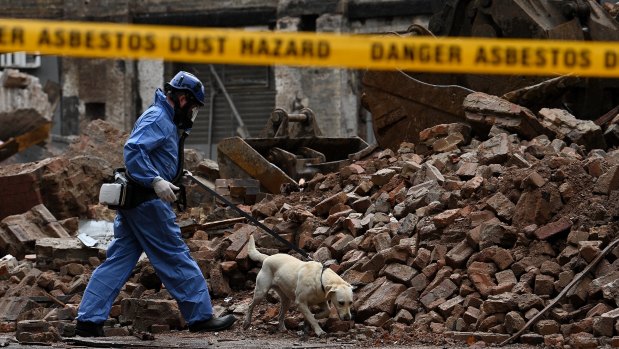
66 184
461 234
479 237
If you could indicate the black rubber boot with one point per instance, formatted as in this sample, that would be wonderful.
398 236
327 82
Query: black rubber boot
89 329
213 324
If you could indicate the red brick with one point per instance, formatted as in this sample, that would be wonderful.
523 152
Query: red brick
553 228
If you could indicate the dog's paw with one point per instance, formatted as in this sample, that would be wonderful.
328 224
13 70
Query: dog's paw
321 333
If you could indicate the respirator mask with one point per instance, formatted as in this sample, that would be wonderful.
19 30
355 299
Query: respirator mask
184 117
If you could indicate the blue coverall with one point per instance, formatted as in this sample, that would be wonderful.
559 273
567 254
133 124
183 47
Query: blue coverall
150 151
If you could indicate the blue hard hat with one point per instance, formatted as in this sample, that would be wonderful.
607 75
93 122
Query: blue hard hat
187 82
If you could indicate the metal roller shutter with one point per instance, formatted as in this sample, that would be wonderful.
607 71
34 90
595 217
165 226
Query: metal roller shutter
251 88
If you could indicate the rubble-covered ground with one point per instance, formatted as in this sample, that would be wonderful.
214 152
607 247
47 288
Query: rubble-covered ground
461 239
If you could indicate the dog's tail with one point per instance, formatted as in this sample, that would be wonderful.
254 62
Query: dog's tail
254 254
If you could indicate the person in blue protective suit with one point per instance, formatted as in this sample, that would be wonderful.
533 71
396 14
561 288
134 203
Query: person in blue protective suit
151 157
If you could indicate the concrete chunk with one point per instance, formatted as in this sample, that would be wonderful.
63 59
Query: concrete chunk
567 127
66 250
24 106
12 307
495 111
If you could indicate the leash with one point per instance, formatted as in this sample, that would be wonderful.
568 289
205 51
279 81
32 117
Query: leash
249 217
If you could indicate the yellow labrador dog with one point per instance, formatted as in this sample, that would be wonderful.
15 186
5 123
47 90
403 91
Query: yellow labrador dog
305 283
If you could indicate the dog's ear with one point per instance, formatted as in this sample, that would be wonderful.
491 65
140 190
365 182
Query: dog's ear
352 287
329 292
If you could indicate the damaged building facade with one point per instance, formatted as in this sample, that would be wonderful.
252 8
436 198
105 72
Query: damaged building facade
118 90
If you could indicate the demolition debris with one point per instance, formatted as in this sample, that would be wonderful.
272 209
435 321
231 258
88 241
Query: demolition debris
482 228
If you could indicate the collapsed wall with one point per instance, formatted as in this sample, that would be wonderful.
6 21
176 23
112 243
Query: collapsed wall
24 105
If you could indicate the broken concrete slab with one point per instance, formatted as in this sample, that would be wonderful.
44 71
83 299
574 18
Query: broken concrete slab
567 127
54 252
24 106
12 307
488 110
18 233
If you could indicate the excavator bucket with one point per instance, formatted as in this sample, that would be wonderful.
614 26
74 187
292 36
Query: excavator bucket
286 154
402 106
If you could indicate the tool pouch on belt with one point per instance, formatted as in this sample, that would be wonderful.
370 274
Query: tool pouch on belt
124 193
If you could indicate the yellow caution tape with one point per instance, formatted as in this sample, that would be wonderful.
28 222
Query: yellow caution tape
208 45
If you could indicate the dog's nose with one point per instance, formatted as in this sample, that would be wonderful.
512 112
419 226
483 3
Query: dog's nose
347 317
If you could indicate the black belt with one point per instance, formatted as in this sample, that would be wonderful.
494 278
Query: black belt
137 194
145 194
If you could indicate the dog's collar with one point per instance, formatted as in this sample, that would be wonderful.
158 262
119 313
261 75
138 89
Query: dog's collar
321 284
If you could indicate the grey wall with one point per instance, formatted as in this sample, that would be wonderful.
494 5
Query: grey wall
150 77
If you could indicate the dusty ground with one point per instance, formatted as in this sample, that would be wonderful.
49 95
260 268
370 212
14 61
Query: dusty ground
238 338
263 334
